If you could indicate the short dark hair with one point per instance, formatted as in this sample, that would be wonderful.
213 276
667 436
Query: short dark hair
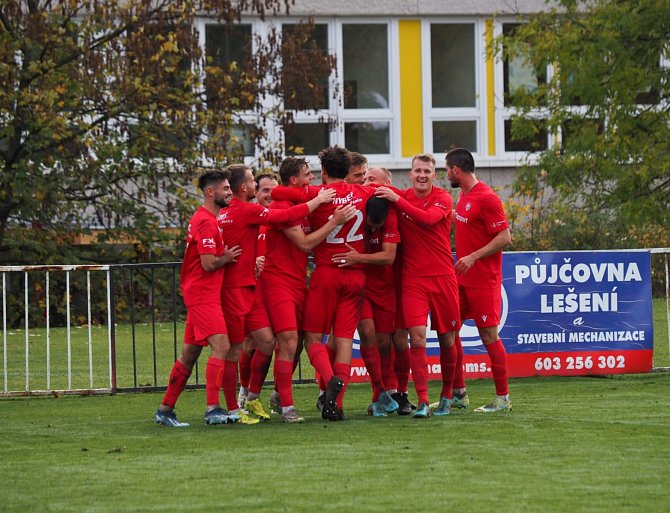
270 176
335 161
462 158
377 209
238 175
356 159
212 178
289 167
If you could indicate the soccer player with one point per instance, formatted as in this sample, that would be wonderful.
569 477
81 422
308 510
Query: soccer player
378 315
240 224
201 277
395 364
482 232
335 295
428 276
261 333
283 281
358 167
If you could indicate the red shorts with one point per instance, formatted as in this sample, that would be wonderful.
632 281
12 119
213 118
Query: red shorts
481 305
334 301
203 321
258 318
242 312
381 309
435 294
285 303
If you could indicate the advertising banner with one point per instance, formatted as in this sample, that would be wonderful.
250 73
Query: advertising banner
563 313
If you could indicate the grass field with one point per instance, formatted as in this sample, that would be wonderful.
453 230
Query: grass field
571 444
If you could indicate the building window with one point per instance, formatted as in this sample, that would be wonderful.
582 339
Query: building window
306 138
227 48
455 115
454 134
367 138
452 51
299 94
535 138
365 59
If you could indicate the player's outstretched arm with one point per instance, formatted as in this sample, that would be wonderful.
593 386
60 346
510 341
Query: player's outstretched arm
384 257
432 215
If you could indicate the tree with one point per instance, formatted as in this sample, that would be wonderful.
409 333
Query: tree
108 110
606 181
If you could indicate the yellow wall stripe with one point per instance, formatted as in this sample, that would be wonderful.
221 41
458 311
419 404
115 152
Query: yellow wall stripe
411 108
490 89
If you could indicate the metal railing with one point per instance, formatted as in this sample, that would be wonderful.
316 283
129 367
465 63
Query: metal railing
84 329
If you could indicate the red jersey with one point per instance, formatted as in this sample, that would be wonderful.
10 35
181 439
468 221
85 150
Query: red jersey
240 223
203 238
379 278
479 217
352 232
261 243
425 225
284 260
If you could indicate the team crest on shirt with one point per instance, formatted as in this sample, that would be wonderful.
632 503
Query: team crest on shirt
468 206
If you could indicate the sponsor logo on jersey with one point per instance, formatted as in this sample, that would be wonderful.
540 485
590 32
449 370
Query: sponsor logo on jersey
222 218
208 242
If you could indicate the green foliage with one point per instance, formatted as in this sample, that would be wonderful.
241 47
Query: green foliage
108 111
606 184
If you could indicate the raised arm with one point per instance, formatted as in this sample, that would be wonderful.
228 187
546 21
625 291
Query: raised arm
295 194
432 215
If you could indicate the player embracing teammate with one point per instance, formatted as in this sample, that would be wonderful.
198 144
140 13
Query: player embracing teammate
347 234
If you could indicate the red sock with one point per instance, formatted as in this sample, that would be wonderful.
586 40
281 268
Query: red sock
331 358
245 367
318 357
229 385
459 375
213 377
283 377
260 365
402 366
448 364
498 357
178 378
388 373
342 371
373 363
419 362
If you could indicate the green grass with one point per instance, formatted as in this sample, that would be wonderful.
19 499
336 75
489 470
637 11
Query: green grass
571 444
